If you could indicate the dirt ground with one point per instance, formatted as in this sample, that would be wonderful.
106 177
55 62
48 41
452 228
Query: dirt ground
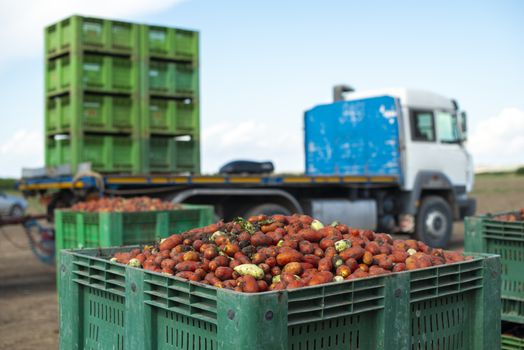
28 305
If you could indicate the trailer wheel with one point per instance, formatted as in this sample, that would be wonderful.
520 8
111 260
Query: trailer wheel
59 200
267 209
434 222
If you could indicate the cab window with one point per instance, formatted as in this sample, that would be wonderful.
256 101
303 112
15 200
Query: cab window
447 127
422 126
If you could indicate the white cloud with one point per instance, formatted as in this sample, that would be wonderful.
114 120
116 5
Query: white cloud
25 148
252 140
23 21
499 141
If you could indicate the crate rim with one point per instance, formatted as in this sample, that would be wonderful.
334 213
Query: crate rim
79 252
103 18
184 206
512 337
491 216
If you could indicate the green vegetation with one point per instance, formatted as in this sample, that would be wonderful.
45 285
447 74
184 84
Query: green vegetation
7 184
495 173
518 171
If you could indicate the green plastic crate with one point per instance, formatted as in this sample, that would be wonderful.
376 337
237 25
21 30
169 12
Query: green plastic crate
174 79
170 117
106 153
169 43
93 72
78 33
168 154
90 230
485 234
105 305
125 154
92 113
510 342
121 80
188 156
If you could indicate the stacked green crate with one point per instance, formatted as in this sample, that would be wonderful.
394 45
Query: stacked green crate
170 113
92 84
109 153
128 92
96 113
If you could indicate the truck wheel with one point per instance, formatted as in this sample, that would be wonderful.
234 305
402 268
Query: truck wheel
267 209
434 222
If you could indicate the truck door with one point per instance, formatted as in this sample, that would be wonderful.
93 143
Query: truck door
435 145
452 156
422 146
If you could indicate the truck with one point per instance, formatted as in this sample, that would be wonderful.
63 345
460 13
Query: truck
392 160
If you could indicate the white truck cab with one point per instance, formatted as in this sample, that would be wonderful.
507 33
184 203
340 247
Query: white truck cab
433 135
437 168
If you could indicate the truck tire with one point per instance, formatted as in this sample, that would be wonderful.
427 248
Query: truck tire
59 200
267 209
434 222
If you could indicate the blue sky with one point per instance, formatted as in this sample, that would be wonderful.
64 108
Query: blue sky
263 63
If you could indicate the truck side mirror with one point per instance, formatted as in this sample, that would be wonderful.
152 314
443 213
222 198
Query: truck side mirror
463 125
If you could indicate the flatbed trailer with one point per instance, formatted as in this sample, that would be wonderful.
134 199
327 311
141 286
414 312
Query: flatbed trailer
232 195
115 182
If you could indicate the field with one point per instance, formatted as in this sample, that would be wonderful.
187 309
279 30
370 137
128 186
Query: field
499 192
494 193
28 317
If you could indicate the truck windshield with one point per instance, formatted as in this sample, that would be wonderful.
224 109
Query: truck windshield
447 127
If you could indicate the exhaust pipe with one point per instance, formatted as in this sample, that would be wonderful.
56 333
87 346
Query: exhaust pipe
339 91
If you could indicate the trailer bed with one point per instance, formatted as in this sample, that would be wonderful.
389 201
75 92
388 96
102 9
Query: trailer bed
123 181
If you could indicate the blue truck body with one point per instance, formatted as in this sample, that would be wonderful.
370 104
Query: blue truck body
356 138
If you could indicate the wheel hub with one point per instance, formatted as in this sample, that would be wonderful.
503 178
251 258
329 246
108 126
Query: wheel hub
436 224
